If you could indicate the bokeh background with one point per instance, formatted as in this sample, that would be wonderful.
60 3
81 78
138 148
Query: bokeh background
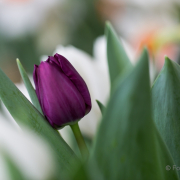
33 29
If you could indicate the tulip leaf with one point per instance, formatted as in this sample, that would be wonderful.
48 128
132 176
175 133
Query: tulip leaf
25 113
118 60
80 174
29 87
86 171
166 107
128 145
13 171
101 106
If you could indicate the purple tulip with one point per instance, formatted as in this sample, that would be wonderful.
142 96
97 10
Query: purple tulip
62 93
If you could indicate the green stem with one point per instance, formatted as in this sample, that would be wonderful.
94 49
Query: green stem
80 141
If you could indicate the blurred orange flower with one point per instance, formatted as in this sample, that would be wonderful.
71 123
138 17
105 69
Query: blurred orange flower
160 42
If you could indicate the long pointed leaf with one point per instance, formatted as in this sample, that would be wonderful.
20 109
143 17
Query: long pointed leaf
118 60
29 87
128 145
25 113
166 107
101 106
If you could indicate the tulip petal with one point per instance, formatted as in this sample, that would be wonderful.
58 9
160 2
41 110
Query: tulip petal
74 76
61 101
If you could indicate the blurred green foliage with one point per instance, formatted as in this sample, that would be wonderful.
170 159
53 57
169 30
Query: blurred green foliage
88 28
23 48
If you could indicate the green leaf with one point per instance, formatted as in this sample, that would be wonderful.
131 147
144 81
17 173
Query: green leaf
85 171
12 169
118 60
101 106
24 113
29 87
128 145
166 107
80 174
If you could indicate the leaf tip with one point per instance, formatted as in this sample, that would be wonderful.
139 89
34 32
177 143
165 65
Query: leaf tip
166 58
18 63
108 28
167 61
17 60
108 24
101 106
144 55
169 64
145 50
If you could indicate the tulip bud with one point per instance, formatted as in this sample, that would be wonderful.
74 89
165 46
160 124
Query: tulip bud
62 93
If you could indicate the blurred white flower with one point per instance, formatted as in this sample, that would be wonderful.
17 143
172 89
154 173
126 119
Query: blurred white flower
28 153
94 71
96 77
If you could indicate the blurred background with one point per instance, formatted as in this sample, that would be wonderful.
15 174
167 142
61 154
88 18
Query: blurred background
32 29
